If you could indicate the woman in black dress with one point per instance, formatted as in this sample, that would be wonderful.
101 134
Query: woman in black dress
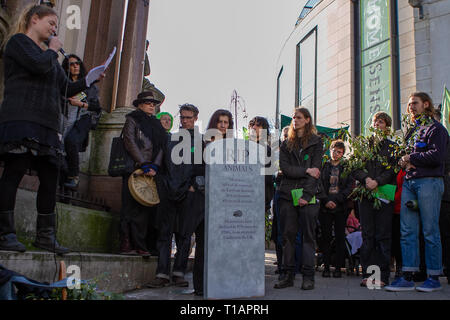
30 122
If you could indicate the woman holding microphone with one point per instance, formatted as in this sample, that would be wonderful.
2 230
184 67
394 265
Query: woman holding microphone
30 122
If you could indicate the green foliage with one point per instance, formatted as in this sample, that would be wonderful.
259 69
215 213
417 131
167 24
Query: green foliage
87 291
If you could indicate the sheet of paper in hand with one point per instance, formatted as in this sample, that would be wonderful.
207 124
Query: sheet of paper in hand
96 72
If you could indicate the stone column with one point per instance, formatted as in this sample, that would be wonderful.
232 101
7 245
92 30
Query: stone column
133 54
129 84
103 34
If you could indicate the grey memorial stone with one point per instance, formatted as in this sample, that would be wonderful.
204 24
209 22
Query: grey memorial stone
234 220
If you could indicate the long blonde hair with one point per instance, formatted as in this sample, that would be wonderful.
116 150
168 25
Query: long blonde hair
23 22
294 141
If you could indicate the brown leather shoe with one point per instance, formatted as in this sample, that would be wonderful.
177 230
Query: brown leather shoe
179 282
128 253
159 283
143 253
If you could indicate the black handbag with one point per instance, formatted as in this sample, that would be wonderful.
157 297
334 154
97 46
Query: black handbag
120 162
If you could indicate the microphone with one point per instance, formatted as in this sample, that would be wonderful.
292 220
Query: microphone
61 50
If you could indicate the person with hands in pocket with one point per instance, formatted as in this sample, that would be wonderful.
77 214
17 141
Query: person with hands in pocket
300 159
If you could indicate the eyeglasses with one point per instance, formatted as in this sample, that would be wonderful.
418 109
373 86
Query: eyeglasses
77 63
337 151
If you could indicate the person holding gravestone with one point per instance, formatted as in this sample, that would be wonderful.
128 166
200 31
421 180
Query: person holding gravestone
300 159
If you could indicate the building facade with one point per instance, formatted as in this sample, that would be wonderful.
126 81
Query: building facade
346 60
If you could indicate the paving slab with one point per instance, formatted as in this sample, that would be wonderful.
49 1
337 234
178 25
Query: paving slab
345 288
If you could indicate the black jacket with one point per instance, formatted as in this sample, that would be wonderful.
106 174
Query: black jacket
345 187
446 195
34 84
376 170
144 138
294 164
182 176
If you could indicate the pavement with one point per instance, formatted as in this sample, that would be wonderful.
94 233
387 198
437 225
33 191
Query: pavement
345 288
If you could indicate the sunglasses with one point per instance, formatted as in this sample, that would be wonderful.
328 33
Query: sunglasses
77 63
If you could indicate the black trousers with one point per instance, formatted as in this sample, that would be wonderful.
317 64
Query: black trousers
376 226
191 221
182 218
291 219
16 165
167 218
134 218
444 224
73 144
396 250
199 261
327 220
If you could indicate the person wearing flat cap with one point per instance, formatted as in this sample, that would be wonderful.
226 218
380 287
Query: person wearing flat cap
145 141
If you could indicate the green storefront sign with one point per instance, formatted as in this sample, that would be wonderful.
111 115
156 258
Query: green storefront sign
376 67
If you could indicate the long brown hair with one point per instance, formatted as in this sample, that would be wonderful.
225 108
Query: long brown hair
293 140
215 119
23 22
424 97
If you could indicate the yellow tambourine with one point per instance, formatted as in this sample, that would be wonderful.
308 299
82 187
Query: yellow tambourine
143 189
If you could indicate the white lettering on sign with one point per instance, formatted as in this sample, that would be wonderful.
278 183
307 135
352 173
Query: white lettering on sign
74 17
373 22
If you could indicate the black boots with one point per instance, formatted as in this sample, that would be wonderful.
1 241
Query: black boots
286 281
8 239
45 234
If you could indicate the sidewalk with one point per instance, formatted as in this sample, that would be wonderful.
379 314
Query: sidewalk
345 288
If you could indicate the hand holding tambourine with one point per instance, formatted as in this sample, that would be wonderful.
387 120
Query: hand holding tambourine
143 188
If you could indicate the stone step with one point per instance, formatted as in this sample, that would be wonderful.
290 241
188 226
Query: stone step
113 273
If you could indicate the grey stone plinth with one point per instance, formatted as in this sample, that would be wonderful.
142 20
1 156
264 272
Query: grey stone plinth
235 224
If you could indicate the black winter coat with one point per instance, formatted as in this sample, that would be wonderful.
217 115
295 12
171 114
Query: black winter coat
376 170
345 187
182 176
34 84
294 164
446 195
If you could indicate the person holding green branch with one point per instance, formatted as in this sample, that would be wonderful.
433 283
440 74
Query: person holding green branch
376 223
300 159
